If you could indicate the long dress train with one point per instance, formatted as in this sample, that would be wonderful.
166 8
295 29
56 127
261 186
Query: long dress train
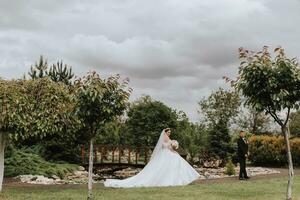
167 168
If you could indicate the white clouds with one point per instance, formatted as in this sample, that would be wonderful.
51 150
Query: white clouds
176 51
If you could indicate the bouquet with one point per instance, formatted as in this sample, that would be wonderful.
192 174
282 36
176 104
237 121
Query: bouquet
174 144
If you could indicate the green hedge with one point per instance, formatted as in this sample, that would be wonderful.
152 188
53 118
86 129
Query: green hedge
26 161
271 151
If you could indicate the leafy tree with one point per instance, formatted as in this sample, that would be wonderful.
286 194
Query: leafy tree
295 123
57 147
61 73
99 101
218 109
31 108
146 119
271 86
39 70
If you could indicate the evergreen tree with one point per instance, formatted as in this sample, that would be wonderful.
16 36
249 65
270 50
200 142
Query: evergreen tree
61 73
218 109
39 70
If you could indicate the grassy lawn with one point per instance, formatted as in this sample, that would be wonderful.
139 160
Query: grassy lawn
272 189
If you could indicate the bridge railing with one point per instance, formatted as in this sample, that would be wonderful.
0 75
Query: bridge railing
118 154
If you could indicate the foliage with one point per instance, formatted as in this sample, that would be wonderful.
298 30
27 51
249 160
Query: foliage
271 151
111 133
39 70
229 168
219 140
34 108
189 135
58 72
26 161
100 100
220 106
271 86
280 78
253 121
146 119
218 109
295 123
61 73
57 148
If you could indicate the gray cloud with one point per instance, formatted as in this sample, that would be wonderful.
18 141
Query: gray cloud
177 51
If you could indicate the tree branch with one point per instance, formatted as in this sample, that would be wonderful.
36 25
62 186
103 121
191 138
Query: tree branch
287 116
275 117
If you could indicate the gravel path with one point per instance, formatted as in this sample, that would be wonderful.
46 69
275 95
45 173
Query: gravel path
283 173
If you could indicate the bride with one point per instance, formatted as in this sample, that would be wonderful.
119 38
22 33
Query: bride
165 168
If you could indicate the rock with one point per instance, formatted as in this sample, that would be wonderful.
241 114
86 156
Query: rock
80 168
214 163
55 177
80 173
36 179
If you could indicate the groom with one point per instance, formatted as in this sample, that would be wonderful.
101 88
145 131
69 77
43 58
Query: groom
242 155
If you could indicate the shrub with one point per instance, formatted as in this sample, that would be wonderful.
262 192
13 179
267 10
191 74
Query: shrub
270 150
25 161
229 168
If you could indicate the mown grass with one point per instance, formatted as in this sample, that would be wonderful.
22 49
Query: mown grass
270 189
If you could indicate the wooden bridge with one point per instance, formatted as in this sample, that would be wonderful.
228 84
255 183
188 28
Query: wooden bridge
119 156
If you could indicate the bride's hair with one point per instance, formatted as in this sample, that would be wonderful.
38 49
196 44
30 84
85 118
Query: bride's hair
167 129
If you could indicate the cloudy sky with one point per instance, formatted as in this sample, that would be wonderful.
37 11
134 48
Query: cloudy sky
177 51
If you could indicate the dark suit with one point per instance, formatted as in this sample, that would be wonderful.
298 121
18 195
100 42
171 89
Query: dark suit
242 151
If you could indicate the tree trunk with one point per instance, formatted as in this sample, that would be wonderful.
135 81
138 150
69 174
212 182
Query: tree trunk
90 183
290 163
2 148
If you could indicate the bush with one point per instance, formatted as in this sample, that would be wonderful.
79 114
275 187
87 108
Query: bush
270 150
229 168
26 161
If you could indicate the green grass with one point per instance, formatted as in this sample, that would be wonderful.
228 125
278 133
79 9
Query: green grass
271 189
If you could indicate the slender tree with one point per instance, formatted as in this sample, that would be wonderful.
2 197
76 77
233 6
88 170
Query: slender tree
271 85
99 101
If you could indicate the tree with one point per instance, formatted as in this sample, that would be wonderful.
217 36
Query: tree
218 109
146 119
271 86
58 72
31 108
99 101
39 70
61 73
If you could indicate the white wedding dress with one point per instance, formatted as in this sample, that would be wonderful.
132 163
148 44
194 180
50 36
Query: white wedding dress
165 168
